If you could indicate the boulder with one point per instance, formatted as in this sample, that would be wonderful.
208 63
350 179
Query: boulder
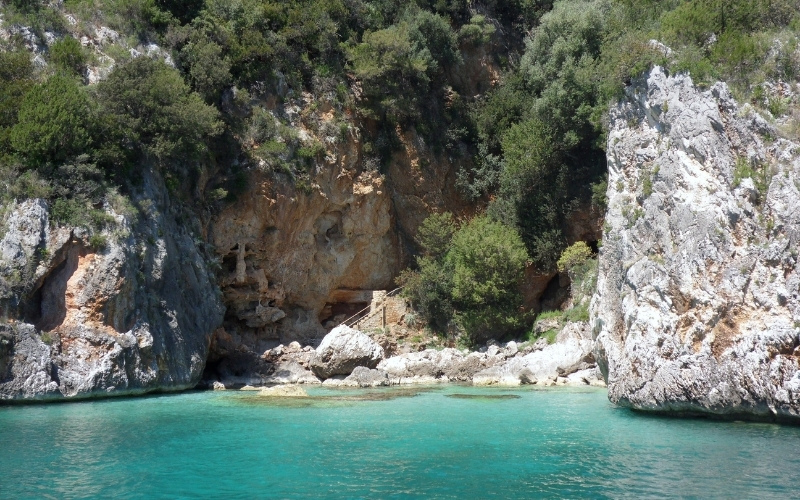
366 377
291 372
342 350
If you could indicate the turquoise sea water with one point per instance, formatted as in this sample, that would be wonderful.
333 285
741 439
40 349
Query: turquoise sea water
444 442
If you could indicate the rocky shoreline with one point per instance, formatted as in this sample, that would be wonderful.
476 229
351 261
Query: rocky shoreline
350 358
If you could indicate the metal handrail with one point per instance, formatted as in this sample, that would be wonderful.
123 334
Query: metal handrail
347 322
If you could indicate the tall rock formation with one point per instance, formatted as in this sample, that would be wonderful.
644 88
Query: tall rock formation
698 308
85 318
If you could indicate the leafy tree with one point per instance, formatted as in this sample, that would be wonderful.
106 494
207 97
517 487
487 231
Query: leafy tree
16 78
435 234
53 121
433 36
208 70
471 274
149 110
488 261
392 69
429 288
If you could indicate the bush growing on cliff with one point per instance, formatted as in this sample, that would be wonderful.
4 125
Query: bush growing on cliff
68 55
392 70
488 261
542 127
576 260
471 274
149 110
16 79
53 121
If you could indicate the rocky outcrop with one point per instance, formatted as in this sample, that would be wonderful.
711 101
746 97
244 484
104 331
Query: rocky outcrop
342 350
367 377
348 358
129 311
431 365
571 353
697 308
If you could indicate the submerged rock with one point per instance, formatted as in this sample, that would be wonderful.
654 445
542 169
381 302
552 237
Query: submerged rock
342 350
284 391
697 305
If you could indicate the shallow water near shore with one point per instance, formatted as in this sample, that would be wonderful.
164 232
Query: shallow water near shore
442 442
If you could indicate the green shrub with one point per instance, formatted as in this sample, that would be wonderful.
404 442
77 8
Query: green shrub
148 108
98 241
429 288
477 32
16 79
68 55
69 212
435 235
392 69
53 122
207 69
488 261
574 256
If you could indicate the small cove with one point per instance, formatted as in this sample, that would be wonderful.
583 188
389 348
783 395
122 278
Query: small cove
442 442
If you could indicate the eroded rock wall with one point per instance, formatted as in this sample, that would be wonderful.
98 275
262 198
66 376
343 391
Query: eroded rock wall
697 308
83 319
295 262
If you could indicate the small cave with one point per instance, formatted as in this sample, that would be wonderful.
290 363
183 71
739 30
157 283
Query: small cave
46 307
229 263
337 312
556 293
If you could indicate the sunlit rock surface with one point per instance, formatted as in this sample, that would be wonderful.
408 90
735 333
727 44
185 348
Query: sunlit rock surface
697 306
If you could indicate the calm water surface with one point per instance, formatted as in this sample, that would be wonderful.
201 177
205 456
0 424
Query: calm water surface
445 442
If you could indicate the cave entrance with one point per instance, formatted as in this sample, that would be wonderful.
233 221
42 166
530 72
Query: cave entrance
344 303
556 293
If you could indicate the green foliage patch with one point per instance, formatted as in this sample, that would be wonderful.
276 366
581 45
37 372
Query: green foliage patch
468 278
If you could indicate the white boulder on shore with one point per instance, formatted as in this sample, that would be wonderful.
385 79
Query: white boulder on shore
350 358
554 364
342 350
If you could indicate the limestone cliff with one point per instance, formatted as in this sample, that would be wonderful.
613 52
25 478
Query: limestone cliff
84 317
697 308
296 262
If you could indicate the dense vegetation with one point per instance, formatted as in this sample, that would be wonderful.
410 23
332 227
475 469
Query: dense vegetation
197 104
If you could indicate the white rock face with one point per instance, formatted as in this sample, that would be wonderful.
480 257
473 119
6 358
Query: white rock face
80 321
697 304
27 227
342 350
